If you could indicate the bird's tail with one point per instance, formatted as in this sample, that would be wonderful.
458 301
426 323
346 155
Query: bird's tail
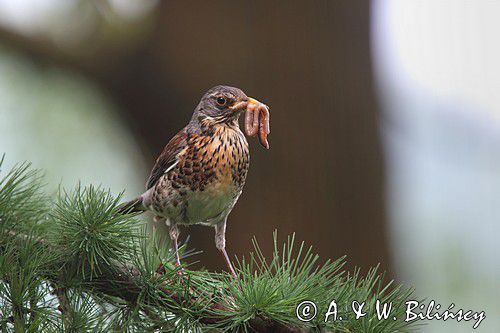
132 206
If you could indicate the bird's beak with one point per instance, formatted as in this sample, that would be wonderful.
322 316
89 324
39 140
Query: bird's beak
243 105
252 101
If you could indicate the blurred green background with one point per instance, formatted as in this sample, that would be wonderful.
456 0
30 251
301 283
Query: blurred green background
384 115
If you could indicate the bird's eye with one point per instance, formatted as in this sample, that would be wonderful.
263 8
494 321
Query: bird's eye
221 101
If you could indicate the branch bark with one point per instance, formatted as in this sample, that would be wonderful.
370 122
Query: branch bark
64 306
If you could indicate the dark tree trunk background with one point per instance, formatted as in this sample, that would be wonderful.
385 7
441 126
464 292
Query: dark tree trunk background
310 62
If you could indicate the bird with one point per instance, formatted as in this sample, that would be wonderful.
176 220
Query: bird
200 174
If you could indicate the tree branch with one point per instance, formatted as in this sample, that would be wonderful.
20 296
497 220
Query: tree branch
123 281
64 306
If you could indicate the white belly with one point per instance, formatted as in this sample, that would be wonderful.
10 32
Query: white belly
210 206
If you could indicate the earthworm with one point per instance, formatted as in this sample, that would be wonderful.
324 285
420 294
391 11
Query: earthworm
264 129
250 125
257 120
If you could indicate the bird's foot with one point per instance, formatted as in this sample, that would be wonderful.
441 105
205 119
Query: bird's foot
180 271
161 269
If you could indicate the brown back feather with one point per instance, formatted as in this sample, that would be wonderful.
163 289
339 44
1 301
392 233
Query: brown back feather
168 157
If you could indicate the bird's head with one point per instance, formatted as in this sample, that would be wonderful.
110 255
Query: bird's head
222 104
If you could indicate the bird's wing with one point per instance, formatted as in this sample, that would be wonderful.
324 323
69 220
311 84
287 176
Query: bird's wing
168 158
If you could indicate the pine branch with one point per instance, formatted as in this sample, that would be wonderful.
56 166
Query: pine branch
124 281
127 279
102 266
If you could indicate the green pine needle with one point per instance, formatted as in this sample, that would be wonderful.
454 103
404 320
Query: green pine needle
89 229
22 202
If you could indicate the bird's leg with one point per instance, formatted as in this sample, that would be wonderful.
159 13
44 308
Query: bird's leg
174 235
158 219
220 243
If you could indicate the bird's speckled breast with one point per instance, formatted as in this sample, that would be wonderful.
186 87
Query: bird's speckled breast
209 176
